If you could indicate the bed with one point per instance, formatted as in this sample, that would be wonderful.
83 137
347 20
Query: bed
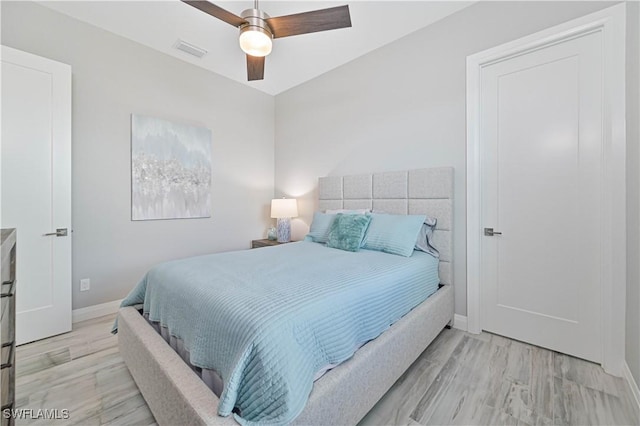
344 394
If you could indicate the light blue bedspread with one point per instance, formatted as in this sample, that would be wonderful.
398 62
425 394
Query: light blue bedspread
268 319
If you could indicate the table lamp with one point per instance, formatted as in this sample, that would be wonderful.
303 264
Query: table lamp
284 209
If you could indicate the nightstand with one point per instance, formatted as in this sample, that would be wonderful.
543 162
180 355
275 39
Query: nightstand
264 243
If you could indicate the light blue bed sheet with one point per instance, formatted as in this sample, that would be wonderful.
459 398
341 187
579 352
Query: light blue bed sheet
268 319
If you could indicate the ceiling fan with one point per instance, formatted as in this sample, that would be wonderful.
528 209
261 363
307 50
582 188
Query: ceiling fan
257 28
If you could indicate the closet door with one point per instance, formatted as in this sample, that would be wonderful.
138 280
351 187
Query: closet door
36 189
541 184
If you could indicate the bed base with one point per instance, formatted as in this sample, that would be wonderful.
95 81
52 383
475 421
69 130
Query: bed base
343 396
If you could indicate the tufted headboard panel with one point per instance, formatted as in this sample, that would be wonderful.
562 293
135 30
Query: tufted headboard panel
421 191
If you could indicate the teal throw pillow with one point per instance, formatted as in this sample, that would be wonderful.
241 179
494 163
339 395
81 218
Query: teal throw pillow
347 231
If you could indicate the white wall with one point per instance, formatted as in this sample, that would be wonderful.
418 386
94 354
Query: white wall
400 107
112 78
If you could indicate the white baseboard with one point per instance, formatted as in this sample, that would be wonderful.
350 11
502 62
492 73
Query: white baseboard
95 311
460 322
626 373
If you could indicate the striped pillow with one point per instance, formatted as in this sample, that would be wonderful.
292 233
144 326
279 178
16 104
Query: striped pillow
392 233
319 232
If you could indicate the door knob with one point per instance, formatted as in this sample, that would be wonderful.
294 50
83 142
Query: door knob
60 232
489 232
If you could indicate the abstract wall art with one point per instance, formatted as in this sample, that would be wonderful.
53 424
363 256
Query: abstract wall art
170 170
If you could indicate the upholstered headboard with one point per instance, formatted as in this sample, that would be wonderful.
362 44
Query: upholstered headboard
422 191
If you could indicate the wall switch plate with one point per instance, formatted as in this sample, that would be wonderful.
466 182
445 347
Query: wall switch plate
85 284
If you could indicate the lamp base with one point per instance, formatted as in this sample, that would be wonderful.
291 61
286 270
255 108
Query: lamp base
284 229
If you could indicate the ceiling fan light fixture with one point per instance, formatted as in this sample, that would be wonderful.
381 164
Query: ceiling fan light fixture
255 34
255 41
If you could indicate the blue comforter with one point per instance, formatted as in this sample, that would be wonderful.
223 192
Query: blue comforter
268 319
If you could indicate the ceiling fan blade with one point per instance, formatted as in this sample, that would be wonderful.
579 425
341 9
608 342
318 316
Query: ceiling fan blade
255 67
216 11
310 22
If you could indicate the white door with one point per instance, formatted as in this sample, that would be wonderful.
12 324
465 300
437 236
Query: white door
541 127
36 189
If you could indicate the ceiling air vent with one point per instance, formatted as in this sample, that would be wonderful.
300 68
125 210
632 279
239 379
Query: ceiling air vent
196 51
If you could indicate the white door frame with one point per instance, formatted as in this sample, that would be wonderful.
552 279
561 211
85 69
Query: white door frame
611 23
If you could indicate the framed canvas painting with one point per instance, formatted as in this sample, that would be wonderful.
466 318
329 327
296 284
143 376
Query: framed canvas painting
170 170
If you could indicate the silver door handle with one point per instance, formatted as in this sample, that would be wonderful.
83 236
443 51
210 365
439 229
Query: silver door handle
60 232
489 232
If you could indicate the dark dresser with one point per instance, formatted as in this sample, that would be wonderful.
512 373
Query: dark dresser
8 322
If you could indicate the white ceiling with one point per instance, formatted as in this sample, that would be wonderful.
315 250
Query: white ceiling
294 60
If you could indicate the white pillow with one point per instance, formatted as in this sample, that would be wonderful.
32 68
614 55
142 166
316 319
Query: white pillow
347 211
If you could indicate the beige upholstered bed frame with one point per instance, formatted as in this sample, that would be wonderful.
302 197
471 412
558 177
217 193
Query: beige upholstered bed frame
346 393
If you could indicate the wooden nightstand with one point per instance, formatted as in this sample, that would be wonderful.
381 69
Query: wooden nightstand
264 243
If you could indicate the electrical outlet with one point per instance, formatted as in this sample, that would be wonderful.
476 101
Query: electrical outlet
85 284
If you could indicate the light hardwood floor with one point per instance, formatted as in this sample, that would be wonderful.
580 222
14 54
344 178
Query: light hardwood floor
460 379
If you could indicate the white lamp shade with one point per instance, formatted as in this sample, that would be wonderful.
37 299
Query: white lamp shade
284 207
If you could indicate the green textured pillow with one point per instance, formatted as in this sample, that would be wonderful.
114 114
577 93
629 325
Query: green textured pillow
347 231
